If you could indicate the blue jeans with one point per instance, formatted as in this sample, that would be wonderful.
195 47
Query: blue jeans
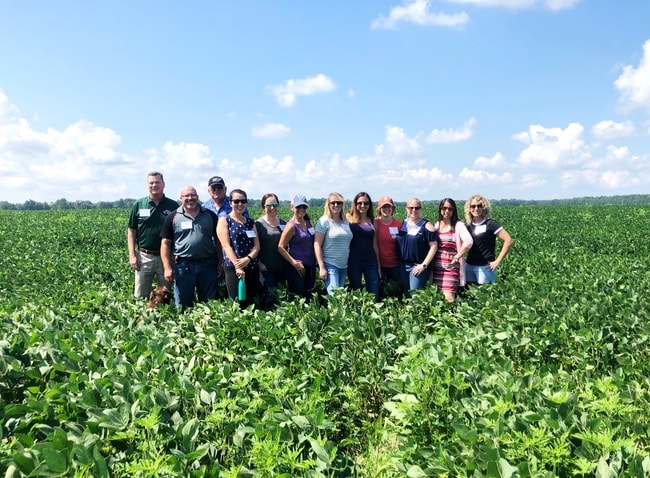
190 275
479 275
367 269
335 277
409 281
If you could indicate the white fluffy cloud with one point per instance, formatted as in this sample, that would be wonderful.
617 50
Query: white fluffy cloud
552 147
498 161
452 135
608 129
270 130
417 12
634 83
288 92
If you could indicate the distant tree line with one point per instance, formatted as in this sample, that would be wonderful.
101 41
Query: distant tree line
61 204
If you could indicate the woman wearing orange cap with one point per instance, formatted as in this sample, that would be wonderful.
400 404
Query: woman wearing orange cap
387 227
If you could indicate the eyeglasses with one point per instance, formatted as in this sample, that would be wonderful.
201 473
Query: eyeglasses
272 205
446 208
239 201
363 203
217 187
336 203
476 206
414 208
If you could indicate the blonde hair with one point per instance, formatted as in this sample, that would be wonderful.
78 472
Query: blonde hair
485 211
334 197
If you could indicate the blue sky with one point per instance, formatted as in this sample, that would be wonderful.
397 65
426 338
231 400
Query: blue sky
530 99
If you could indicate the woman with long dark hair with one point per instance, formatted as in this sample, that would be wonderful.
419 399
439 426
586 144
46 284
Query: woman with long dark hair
454 241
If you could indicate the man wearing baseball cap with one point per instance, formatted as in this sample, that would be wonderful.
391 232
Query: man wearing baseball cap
219 202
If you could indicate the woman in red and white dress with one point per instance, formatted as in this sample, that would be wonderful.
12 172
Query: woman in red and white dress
454 241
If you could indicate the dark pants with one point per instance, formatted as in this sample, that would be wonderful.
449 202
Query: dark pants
252 280
369 271
190 276
302 285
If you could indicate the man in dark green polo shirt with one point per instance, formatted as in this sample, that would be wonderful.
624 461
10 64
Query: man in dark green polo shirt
143 235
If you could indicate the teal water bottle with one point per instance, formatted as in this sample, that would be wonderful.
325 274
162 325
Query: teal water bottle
241 289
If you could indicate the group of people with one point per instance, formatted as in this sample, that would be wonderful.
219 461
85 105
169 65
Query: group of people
193 246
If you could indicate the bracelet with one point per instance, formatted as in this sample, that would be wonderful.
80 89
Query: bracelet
250 258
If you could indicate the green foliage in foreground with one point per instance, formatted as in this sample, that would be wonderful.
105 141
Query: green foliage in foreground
546 373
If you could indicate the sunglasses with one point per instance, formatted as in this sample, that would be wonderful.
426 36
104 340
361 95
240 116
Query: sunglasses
363 203
336 203
272 205
414 208
446 208
239 201
217 187
476 206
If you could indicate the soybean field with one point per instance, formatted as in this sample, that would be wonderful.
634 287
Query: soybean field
544 374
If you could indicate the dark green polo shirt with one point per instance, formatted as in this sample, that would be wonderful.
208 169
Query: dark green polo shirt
147 218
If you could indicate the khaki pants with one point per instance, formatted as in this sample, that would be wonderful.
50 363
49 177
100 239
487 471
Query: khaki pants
150 266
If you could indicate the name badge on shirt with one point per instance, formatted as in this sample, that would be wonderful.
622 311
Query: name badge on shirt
392 230
144 213
480 229
413 231
185 225
312 231
281 226
250 233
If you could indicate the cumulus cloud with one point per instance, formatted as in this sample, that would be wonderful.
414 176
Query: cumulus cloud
553 147
398 143
417 12
288 92
521 4
270 130
498 161
479 176
634 83
452 135
608 129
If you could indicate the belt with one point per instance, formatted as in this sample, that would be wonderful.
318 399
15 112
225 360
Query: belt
147 251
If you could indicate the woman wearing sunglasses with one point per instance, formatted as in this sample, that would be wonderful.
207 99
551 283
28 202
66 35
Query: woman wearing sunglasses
481 265
241 246
417 245
364 255
454 241
332 243
272 267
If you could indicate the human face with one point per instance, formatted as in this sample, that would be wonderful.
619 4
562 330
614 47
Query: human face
217 192
386 210
362 204
414 210
155 185
336 206
238 202
271 206
189 198
299 212
446 211
476 209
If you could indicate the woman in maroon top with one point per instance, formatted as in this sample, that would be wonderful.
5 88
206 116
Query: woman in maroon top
387 227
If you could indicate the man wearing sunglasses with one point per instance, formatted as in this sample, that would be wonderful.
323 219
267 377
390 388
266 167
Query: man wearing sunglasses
219 202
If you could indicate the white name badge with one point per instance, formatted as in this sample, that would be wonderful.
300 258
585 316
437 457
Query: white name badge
480 229
250 233
145 213
185 225
413 231
281 226
393 230
312 231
